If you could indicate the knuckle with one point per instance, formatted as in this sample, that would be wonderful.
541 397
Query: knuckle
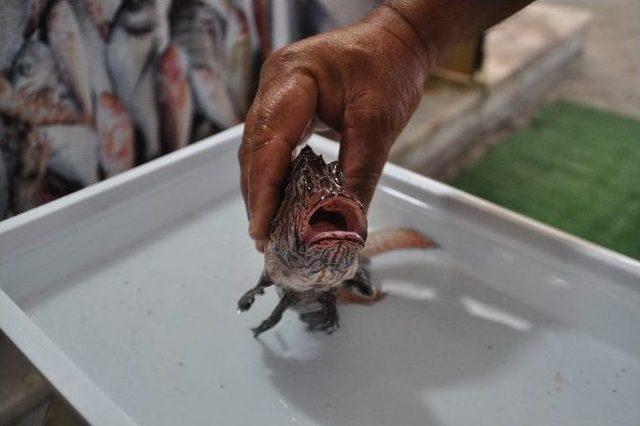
284 62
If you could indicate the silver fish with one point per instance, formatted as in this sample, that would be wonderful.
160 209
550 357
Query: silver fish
67 47
32 14
174 98
35 92
196 27
116 143
13 21
73 153
34 71
238 57
101 13
36 109
94 47
131 54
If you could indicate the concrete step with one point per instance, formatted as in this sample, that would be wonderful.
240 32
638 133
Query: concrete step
525 56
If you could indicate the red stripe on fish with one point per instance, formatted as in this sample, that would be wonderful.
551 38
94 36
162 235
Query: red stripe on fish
174 98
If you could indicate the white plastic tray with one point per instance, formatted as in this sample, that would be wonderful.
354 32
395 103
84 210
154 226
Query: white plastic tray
124 296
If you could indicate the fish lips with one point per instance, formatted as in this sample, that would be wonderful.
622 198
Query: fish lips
336 219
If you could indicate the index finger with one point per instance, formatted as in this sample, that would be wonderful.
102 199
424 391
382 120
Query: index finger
275 124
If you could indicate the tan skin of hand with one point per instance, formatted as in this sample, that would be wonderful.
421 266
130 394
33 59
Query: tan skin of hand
364 81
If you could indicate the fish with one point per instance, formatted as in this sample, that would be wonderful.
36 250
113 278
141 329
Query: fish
196 27
132 50
72 154
32 12
314 251
29 174
116 138
4 188
34 72
238 57
66 43
5 172
34 109
101 13
174 98
33 90
94 46
14 15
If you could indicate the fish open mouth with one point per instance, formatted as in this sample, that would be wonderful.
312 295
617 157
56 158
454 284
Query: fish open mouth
336 219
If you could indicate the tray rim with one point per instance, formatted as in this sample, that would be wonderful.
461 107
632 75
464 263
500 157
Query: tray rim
20 237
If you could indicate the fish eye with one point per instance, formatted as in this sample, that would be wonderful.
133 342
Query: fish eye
25 68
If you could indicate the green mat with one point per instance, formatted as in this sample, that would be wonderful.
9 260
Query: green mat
575 168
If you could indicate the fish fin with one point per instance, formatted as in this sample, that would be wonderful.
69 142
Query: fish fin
359 290
287 300
248 298
387 240
326 318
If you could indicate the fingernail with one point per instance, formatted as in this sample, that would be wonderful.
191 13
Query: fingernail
252 230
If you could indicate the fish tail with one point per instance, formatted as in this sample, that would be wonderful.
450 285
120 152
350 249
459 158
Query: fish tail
387 240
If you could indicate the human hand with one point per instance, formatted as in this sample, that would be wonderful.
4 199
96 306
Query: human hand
364 81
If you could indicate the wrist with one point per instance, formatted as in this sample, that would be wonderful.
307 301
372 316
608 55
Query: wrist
394 25
394 22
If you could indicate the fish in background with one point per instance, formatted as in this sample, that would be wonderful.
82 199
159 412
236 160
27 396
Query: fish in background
14 16
174 98
34 72
116 139
65 40
5 173
4 188
32 14
132 51
71 149
32 90
101 12
94 48
238 56
47 168
197 28
73 155
29 174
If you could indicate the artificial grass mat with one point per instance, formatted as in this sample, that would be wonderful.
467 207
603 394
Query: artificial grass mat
575 168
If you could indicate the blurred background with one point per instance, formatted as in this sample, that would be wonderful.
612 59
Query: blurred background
541 114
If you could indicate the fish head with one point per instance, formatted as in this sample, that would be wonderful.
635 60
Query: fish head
320 225
33 68
138 17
